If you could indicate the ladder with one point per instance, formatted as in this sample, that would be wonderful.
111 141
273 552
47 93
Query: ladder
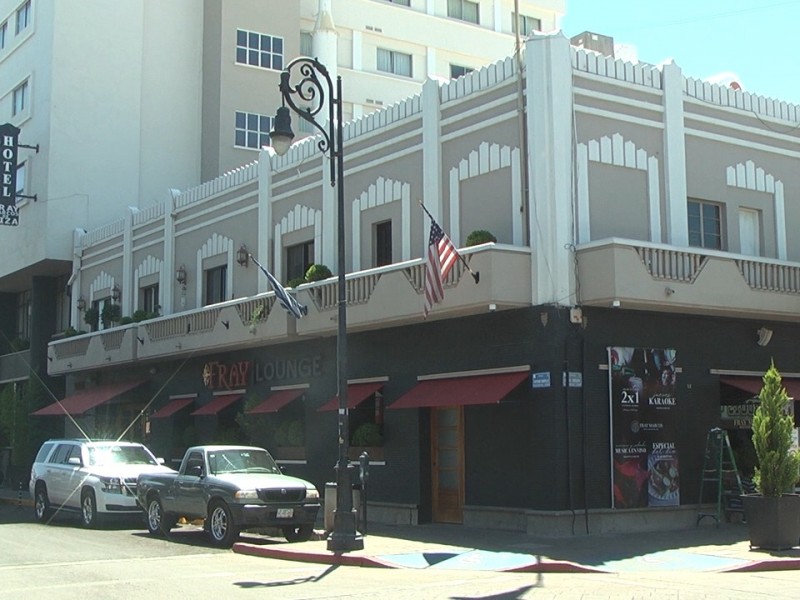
721 476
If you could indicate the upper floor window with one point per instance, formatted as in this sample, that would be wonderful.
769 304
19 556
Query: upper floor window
403 2
526 25
215 284
383 243
19 98
298 258
21 173
390 61
459 71
148 299
23 17
306 44
463 9
3 31
252 130
705 224
259 50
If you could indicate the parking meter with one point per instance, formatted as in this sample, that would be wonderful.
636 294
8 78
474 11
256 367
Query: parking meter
363 461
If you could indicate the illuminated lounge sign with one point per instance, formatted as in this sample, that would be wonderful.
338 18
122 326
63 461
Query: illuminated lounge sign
9 146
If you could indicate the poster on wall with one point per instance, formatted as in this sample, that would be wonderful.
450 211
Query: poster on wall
645 470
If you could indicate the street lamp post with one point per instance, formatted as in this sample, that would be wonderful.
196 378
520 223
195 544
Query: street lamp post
314 82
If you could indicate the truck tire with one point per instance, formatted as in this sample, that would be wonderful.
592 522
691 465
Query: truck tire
41 504
221 528
158 523
298 533
89 515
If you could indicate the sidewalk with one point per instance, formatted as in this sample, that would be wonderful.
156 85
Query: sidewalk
436 546
705 548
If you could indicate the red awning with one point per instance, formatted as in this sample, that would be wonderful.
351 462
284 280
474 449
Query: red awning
457 391
276 401
171 408
753 385
85 400
356 394
216 405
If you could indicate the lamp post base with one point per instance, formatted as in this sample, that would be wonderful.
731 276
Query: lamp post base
344 537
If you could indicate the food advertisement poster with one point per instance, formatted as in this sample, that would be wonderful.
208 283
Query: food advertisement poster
645 470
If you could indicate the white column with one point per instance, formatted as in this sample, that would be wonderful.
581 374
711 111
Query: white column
265 229
168 293
549 121
497 7
128 284
431 154
674 156
76 318
324 45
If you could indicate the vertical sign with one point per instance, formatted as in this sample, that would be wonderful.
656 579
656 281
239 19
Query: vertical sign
644 426
9 136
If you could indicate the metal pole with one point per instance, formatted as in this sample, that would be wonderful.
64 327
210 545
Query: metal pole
344 537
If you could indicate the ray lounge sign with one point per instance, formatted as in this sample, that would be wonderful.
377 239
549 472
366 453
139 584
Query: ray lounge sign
9 148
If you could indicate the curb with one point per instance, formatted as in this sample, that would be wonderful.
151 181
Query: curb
354 560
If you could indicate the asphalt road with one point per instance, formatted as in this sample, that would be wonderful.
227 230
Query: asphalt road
64 561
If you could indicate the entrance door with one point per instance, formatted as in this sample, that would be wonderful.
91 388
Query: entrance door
447 456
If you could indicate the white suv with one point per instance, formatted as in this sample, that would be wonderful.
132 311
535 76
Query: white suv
95 478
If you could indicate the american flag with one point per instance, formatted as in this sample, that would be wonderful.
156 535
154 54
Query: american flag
442 255
288 302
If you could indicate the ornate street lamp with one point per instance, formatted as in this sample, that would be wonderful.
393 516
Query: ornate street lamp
314 82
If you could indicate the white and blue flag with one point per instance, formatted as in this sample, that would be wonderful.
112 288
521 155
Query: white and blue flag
288 302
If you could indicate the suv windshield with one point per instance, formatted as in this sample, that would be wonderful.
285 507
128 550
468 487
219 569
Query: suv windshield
120 455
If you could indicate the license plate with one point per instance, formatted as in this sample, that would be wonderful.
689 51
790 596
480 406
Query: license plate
285 513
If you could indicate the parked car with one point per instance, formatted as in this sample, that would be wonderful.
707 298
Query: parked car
232 488
95 478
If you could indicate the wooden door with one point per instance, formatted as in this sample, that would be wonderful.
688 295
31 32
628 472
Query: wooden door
447 468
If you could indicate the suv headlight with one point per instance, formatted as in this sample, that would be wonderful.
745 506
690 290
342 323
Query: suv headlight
111 485
312 494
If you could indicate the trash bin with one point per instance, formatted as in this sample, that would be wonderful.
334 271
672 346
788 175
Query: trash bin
330 503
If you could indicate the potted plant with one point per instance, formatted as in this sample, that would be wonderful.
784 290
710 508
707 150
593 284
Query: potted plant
318 273
773 513
480 236
91 316
367 437
111 313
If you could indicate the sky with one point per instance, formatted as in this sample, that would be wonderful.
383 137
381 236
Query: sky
758 40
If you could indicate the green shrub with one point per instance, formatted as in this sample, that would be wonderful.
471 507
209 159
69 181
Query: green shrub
290 433
91 317
318 273
480 236
778 467
143 315
111 313
367 434
126 320
295 281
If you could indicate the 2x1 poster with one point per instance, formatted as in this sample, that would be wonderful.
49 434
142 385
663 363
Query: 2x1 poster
645 470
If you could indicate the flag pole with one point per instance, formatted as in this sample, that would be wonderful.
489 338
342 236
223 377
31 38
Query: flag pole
475 274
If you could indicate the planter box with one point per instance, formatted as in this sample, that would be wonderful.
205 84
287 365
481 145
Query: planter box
773 523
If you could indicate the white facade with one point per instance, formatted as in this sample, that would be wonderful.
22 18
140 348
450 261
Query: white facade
147 101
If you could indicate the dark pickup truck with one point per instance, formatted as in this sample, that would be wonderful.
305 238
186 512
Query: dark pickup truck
232 488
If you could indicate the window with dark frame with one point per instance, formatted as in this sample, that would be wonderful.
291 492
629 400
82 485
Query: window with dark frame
215 285
457 71
24 315
369 414
259 50
3 32
383 243
252 130
19 98
148 298
298 258
705 224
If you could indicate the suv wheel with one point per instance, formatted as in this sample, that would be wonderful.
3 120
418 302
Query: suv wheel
220 525
41 504
89 514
